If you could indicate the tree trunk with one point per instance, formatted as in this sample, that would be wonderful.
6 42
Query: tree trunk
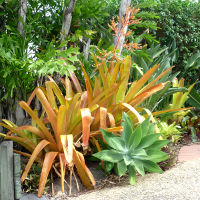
118 42
86 48
67 18
22 16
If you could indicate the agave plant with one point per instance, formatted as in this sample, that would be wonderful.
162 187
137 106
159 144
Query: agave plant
134 150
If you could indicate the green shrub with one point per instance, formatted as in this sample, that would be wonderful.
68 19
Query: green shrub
179 21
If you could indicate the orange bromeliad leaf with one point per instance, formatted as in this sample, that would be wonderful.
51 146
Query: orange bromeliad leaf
139 84
15 130
57 92
8 122
75 81
50 96
115 73
63 164
45 131
33 130
84 173
115 129
112 120
69 91
86 121
88 85
47 165
124 77
67 143
84 100
103 115
27 143
147 93
48 109
134 111
34 155
98 149
156 79
61 119
171 110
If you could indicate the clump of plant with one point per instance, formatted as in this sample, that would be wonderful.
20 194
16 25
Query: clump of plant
134 150
170 132
52 137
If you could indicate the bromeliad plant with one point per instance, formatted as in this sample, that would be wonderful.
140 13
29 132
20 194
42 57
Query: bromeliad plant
51 138
134 150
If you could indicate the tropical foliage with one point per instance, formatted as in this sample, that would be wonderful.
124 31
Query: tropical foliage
75 116
117 95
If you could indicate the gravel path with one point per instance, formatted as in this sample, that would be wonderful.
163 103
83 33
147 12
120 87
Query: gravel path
181 182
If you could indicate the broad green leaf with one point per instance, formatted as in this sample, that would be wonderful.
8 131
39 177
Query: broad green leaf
156 155
108 166
158 144
113 141
139 152
127 128
109 155
151 166
138 164
121 168
132 175
135 138
127 159
148 140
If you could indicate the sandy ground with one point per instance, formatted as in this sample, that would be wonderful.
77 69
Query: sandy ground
182 182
